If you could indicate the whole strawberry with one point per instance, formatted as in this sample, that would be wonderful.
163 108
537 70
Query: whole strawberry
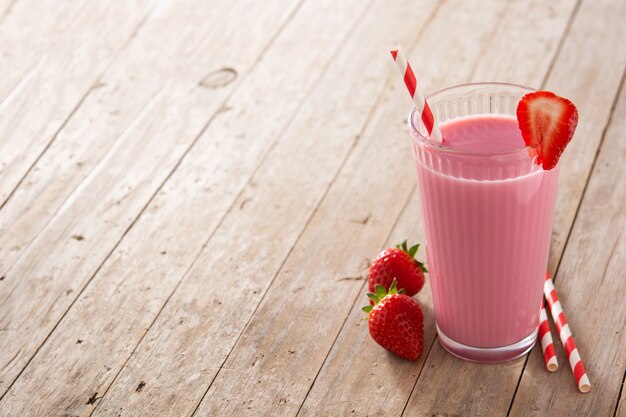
398 263
396 322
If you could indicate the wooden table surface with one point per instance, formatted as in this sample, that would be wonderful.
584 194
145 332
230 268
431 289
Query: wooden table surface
190 193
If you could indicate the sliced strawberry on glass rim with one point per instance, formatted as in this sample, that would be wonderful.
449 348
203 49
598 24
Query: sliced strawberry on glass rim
547 122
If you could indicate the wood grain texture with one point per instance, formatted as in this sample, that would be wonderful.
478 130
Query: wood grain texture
349 383
590 280
32 114
597 34
481 389
158 251
246 242
37 290
359 378
29 30
541 25
78 141
126 95
190 192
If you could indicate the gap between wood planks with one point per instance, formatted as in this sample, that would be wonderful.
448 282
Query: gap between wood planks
620 401
487 44
268 44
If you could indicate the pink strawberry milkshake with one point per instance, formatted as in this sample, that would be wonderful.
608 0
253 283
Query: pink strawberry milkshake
487 211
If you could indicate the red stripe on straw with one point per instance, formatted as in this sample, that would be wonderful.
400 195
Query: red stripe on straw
579 371
552 297
573 356
569 346
549 354
410 81
544 328
421 105
545 337
427 116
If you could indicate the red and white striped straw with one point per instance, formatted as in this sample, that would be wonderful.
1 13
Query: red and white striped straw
566 336
418 98
547 345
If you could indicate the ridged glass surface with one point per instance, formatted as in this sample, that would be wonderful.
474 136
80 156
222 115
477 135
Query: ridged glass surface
488 220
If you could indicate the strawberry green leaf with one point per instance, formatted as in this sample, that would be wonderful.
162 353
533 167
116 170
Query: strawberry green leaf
381 291
367 309
373 297
393 289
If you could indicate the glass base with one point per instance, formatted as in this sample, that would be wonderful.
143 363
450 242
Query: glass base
488 355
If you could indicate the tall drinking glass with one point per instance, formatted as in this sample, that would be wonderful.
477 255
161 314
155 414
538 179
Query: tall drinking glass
487 211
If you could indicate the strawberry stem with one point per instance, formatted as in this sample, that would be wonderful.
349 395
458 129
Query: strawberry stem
381 293
412 251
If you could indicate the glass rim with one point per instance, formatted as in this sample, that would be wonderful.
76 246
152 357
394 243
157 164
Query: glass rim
426 142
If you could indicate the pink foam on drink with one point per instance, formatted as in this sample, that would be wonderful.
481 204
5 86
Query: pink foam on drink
488 226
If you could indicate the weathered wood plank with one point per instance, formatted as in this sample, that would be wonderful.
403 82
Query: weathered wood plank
473 389
49 93
37 290
130 289
22 217
258 233
598 35
351 381
258 210
358 377
29 29
125 95
205 184
590 280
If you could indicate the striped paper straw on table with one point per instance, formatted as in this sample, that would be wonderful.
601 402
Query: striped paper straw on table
547 345
421 105
566 336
